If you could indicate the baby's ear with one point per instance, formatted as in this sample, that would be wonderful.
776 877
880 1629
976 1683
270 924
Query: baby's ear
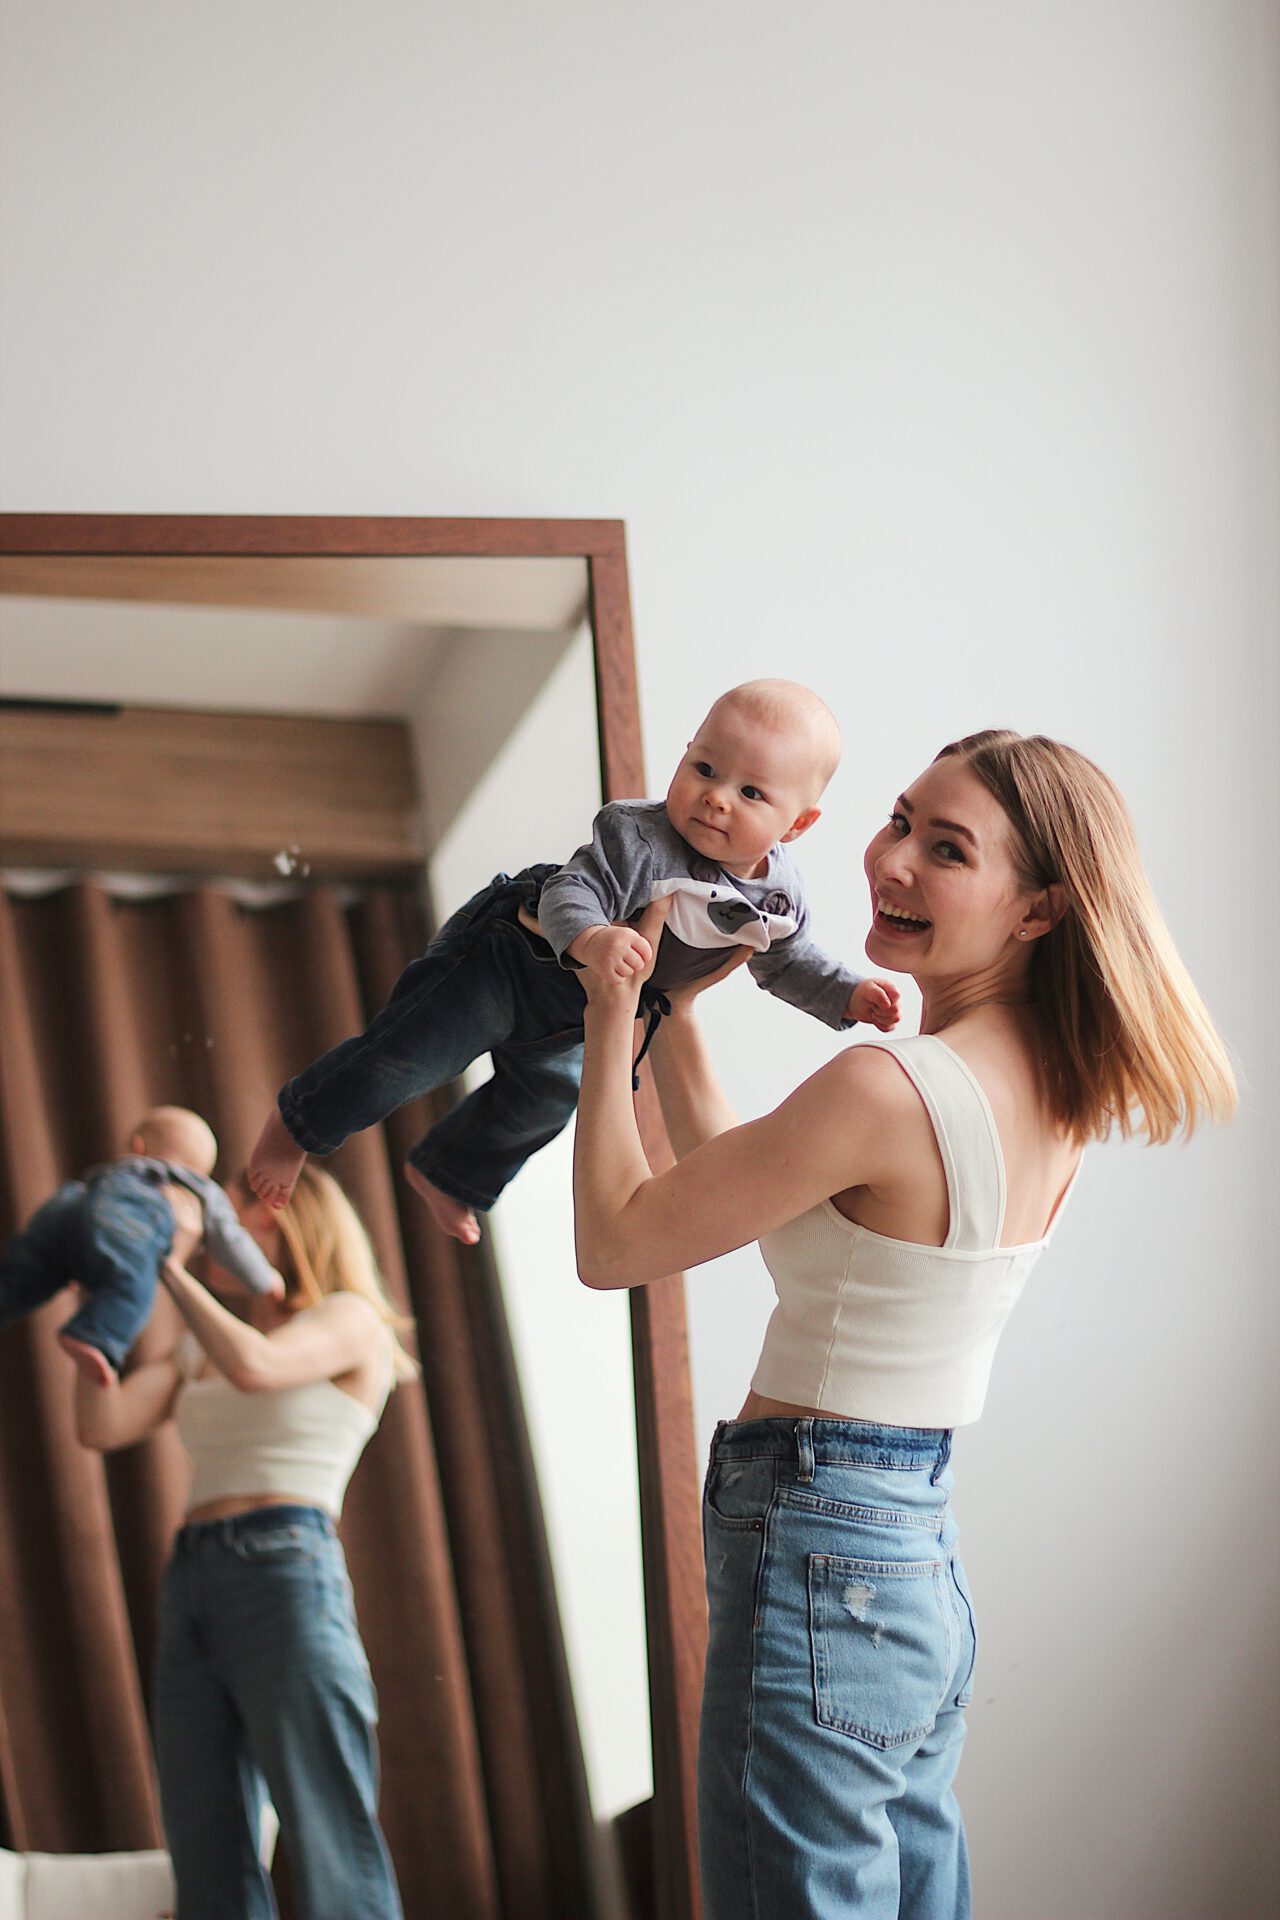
801 824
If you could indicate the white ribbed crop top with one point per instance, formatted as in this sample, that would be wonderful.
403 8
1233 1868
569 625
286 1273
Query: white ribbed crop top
871 1328
303 1441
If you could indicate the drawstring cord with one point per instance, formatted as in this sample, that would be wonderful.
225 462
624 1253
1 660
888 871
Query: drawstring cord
659 1006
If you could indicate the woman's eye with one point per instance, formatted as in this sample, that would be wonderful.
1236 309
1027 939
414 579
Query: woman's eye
752 793
948 850
899 823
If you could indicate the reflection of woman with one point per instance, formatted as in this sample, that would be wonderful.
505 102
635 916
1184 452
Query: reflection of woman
900 1196
262 1686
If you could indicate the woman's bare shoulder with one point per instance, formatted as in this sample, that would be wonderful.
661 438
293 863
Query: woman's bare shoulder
874 1074
862 1103
343 1316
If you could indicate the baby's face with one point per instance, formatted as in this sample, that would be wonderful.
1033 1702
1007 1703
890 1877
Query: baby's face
741 787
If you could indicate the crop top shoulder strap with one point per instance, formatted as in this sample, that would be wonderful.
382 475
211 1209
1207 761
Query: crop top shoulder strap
965 1129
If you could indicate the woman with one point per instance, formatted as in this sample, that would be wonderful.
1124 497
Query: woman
262 1687
900 1196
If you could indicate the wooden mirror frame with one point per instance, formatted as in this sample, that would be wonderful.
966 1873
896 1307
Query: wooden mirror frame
675 1608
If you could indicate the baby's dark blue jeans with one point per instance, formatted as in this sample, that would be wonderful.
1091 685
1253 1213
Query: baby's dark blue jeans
110 1233
484 985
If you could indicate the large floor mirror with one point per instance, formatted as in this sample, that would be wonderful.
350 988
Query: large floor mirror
245 764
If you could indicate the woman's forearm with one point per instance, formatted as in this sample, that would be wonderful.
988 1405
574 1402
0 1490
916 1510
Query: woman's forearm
693 1103
238 1351
127 1410
609 1162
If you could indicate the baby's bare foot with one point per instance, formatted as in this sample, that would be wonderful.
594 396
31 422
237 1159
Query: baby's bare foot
275 1163
95 1366
452 1216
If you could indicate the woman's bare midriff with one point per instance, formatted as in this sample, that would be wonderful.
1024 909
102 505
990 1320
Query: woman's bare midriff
758 1406
234 1503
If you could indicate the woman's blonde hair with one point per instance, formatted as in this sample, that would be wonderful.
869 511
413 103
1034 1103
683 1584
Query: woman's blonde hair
325 1249
1128 1040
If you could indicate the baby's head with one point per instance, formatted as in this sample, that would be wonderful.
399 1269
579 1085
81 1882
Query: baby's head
177 1134
753 773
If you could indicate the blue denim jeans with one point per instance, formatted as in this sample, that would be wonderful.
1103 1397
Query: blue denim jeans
262 1689
109 1233
484 985
839 1663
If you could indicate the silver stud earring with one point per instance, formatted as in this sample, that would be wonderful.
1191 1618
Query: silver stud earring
1022 933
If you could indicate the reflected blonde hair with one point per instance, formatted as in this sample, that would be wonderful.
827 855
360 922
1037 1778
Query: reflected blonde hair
1128 1040
325 1249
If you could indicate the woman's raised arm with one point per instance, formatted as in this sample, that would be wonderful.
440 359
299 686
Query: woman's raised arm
338 1333
632 1226
129 1409
694 1108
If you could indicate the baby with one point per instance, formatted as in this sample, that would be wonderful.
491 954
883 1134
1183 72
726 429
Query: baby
499 976
111 1230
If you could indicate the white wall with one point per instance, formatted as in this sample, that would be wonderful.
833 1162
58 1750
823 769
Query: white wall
929 351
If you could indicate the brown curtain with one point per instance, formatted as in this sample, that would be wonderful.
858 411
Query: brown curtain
110 1002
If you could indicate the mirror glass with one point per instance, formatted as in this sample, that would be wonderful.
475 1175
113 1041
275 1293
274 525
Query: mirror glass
488 663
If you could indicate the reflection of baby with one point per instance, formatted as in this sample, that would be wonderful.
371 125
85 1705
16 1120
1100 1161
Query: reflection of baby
111 1230
494 979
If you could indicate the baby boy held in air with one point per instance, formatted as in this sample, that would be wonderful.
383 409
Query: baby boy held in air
500 977
109 1232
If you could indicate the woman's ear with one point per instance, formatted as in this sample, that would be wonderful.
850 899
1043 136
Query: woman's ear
1043 913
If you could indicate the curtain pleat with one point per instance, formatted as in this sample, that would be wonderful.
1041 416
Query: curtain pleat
109 1004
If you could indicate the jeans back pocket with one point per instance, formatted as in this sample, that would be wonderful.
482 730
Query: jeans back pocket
882 1646
275 1546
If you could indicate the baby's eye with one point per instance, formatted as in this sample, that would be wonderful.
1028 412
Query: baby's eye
706 772
752 793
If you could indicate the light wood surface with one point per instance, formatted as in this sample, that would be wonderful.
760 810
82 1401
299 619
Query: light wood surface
165 790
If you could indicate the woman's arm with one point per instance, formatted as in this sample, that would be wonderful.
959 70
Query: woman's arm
334 1336
127 1411
693 1104
835 1132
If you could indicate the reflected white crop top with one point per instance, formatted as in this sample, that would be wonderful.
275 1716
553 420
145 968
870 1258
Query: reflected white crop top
870 1328
303 1441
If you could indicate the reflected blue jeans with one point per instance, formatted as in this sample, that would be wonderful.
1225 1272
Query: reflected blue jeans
262 1689
109 1233
839 1664
484 985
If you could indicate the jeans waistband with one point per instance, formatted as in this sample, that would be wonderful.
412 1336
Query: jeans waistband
858 1443
234 1526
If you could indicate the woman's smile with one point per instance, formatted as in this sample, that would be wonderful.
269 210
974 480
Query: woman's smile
894 921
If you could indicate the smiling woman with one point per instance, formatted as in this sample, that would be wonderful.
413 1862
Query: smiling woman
901 1197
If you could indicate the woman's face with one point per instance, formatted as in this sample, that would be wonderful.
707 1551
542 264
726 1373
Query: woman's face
945 895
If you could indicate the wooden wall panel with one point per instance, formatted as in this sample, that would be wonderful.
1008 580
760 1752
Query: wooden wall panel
184 792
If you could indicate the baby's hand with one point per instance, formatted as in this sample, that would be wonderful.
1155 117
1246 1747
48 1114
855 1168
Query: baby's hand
615 953
876 1002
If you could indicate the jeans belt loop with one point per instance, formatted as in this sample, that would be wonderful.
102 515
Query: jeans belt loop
944 1454
804 1448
